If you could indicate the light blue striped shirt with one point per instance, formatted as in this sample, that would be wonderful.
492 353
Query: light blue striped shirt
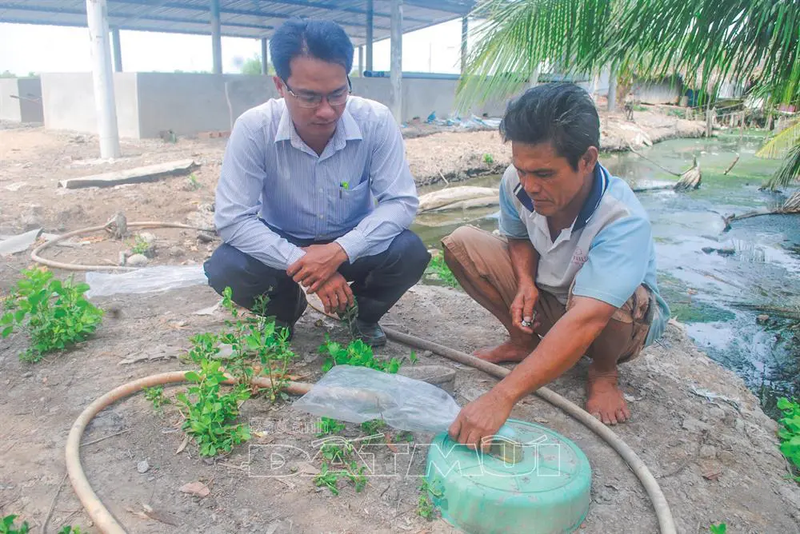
358 192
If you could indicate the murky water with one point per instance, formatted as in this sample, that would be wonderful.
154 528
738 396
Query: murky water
714 294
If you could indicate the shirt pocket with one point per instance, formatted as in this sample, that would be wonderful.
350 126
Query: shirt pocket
352 204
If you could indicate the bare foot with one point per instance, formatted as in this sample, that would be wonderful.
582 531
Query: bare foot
507 352
604 400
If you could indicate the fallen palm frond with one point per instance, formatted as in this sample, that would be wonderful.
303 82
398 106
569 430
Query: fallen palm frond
790 207
690 179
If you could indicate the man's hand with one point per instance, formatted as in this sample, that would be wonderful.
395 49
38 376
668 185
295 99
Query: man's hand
522 308
317 265
335 294
481 418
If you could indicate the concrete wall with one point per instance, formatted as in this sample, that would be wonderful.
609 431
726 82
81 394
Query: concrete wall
667 91
28 108
151 103
422 96
68 102
191 103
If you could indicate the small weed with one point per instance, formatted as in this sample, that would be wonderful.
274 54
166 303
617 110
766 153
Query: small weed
404 436
328 479
328 426
722 528
356 476
156 396
7 526
373 427
67 529
438 270
140 246
55 314
337 452
413 357
488 159
356 353
193 183
425 506
790 431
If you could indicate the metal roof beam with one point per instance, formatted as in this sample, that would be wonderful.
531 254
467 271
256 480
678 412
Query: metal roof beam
250 13
175 20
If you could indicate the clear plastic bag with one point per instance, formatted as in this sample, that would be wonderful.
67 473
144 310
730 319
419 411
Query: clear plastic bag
146 280
359 394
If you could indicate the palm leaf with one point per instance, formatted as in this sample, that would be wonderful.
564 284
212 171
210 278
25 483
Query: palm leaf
521 37
708 41
783 142
789 171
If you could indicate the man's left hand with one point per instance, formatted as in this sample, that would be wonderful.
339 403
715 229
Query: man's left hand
481 418
317 265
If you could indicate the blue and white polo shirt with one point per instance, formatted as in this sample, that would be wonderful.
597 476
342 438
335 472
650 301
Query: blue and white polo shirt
608 251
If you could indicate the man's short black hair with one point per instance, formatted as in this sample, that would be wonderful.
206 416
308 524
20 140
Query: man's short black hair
560 113
321 39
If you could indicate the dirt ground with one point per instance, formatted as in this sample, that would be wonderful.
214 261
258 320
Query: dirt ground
716 461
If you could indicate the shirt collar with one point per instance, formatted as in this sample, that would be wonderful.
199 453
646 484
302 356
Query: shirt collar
590 205
346 124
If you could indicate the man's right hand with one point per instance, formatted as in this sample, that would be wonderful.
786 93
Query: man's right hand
335 294
523 306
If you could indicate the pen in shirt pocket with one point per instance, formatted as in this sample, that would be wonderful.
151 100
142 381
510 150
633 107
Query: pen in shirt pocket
343 186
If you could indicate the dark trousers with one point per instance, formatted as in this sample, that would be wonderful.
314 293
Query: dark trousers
378 281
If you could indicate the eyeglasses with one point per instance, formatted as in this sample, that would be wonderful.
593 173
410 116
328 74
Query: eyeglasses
313 100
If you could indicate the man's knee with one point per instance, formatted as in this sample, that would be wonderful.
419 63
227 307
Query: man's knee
460 236
248 278
410 252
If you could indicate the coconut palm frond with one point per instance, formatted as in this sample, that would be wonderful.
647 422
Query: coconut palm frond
780 144
739 40
789 171
519 38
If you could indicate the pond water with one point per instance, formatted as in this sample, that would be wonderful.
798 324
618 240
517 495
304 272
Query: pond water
716 295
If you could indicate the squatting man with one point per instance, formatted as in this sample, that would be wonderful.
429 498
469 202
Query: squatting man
573 271
315 191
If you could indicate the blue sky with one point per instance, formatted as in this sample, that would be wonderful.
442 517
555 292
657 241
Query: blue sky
26 48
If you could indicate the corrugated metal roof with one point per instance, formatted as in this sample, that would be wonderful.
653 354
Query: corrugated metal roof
239 18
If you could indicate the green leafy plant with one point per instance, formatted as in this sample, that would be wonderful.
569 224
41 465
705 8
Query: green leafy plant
404 435
209 413
7 526
721 528
488 159
425 507
193 183
356 353
257 336
789 433
55 314
68 529
156 396
327 478
356 475
140 246
437 269
376 426
328 426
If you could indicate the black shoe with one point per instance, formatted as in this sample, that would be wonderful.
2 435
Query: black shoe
280 325
370 333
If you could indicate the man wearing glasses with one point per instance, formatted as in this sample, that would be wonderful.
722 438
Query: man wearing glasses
315 191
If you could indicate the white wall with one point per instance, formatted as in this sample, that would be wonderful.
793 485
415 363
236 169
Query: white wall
68 102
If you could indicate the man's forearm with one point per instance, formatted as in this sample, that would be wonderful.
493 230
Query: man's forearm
381 226
524 260
558 351
255 239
